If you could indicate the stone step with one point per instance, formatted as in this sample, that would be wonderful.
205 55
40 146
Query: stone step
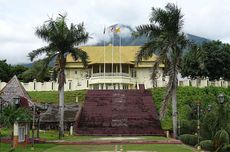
118 112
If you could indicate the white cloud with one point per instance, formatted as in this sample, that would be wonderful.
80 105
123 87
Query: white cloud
18 19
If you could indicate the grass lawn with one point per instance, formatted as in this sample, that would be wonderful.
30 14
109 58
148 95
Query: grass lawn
37 147
53 135
52 96
88 148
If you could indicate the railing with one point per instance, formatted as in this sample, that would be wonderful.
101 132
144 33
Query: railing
97 78
110 74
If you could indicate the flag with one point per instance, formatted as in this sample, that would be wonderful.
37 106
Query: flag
112 29
118 30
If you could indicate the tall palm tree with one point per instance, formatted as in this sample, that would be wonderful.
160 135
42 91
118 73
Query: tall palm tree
165 39
62 40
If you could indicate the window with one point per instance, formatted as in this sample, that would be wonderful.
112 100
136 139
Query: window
125 68
21 133
70 86
133 73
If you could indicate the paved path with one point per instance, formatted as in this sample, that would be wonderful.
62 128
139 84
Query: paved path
62 142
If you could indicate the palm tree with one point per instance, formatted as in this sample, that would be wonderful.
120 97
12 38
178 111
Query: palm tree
193 63
167 41
62 40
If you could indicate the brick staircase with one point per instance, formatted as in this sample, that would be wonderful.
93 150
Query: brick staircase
118 112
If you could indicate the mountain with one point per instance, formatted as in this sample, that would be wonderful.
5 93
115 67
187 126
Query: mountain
128 40
28 65
196 39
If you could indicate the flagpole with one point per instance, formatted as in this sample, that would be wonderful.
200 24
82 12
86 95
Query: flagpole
104 59
112 56
120 58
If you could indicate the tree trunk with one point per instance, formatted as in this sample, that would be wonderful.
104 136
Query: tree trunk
61 112
174 108
61 82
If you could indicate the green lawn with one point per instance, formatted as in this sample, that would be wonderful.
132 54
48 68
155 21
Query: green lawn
52 96
88 148
37 147
53 135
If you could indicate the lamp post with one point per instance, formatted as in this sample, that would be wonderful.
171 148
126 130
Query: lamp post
42 109
198 125
33 127
16 101
221 110
209 108
1 102
221 98
179 125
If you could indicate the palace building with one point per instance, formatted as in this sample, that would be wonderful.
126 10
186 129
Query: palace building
110 67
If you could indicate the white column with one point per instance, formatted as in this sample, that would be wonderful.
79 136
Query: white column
16 128
71 130
99 68
92 70
129 69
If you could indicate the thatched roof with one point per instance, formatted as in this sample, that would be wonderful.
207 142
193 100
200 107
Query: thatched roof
14 89
52 114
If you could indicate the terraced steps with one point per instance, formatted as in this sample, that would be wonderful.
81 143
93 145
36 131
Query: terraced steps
118 112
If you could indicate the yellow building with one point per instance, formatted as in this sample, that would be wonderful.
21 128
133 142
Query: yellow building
110 67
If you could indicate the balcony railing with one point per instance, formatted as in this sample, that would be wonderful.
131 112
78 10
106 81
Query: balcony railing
97 78
110 74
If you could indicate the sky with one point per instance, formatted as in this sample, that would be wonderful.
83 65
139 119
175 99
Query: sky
19 19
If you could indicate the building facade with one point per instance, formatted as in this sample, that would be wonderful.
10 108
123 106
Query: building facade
113 67
110 67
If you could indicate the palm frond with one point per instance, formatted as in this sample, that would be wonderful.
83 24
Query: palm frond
149 30
36 53
81 36
78 53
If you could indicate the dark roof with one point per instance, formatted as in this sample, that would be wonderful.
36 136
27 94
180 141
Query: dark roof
52 114
14 89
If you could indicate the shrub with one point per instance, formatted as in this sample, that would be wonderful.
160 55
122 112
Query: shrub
221 139
226 148
189 139
187 126
187 96
207 145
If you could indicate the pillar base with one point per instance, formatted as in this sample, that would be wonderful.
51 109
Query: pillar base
15 141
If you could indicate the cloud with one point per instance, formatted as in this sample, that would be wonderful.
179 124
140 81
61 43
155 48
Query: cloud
18 19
